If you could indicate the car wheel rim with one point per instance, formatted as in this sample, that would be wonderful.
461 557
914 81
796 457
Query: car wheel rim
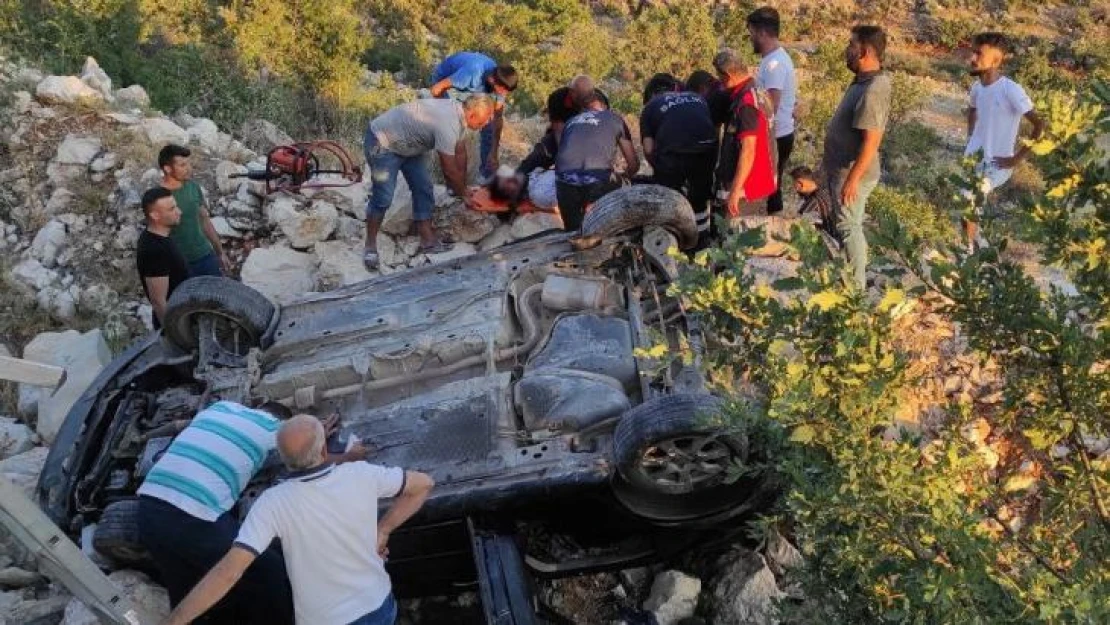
227 332
686 462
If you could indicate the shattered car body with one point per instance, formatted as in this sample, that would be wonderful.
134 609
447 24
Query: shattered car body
512 377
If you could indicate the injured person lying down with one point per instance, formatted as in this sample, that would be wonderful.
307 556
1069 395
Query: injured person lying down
534 191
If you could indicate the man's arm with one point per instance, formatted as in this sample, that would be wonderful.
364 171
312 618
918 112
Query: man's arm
454 172
498 124
872 137
213 237
415 491
213 586
776 97
631 159
972 117
649 149
157 289
743 169
440 87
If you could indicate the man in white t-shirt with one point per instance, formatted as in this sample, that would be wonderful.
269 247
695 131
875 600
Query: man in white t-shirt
776 77
327 519
994 118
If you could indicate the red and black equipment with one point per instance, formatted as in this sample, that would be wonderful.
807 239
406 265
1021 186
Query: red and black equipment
298 166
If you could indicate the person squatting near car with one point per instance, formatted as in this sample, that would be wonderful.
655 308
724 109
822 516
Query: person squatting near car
330 569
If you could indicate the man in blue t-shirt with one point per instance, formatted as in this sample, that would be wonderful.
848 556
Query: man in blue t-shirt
464 73
680 142
584 165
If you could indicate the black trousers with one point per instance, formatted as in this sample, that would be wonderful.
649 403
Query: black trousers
185 548
691 174
574 198
785 146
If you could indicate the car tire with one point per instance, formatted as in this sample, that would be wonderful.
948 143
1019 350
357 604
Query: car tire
117 533
639 206
671 445
231 301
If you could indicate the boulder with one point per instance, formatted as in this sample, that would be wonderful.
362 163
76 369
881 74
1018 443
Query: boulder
82 356
100 300
33 275
148 598
744 589
15 577
97 78
261 135
15 438
48 242
398 219
243 216
161 131
224 183
204 132
61 301
339 264
224 229
134 96
280 273
304 228
126 237
349 228
674 596
501 235
105 162
32 611
463 224
534 223
395 252
66 90
22 471
74 150
247 196
350 200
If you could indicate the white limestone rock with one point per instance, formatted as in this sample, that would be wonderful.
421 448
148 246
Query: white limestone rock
161 131
133 96
339 263
280 273
15 438
82 355
226 184
48 242
150 598
75 150
66 90
674 596
95 77
534 223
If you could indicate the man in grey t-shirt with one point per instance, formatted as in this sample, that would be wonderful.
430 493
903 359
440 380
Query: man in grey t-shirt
397 140
852 138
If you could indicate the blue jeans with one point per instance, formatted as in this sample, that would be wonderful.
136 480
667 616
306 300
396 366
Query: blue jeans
849 223
384 615
205 266
384 166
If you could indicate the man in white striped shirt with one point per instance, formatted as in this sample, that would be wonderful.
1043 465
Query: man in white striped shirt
185 504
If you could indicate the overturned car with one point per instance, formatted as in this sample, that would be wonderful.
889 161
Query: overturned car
510 376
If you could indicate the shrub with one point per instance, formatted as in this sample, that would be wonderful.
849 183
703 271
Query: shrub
676 37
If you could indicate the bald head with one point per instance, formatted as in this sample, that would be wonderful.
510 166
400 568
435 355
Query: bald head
582 91
300 441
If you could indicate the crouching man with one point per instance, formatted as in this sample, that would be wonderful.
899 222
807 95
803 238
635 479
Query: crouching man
327 519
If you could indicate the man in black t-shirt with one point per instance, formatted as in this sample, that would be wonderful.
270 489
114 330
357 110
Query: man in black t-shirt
584 164
680 142
161 266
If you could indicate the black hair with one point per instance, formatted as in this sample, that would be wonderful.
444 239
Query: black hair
802 172
279 410
992 39
151 197
505 75
168 153
700 80
765 19
660 83
872 37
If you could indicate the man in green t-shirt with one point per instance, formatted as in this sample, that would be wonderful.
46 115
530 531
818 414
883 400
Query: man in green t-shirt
195 235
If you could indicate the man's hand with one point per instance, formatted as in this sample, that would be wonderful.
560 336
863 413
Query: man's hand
734 198
331 424
357 452
383 544
469 201
850 191
1006 162
225 262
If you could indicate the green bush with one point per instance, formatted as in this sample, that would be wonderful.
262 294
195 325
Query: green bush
920 217
675 37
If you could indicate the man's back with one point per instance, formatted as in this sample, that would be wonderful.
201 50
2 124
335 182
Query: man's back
327 521
589 145
679 122
420 126
467 71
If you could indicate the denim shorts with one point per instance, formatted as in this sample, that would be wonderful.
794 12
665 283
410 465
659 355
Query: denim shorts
384 166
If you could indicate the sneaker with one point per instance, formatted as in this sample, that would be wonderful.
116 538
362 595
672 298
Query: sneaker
370 259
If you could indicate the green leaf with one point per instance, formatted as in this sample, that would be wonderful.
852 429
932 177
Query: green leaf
803 434
787 284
